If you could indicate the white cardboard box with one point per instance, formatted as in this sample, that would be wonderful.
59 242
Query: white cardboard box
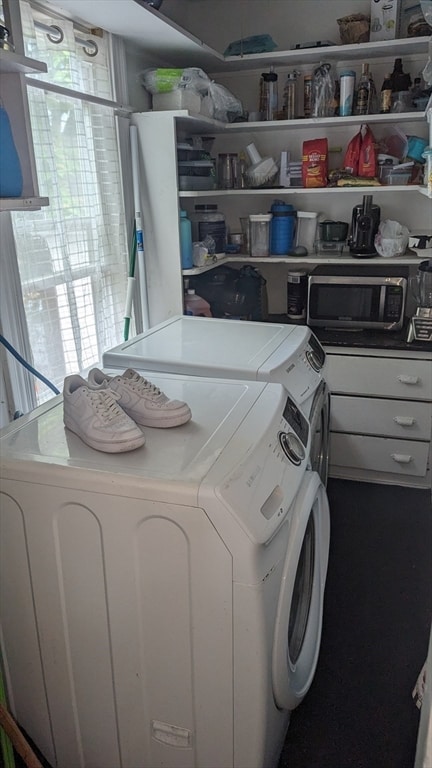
384 23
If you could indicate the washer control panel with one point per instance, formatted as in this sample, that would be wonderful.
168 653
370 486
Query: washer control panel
296 420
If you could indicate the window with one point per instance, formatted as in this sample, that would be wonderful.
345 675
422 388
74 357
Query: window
72 255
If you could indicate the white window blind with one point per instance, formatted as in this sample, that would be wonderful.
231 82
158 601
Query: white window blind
72 255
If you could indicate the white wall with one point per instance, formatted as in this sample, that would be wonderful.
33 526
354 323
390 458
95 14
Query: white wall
219 22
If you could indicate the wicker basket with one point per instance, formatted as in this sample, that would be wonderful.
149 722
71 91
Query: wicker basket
354 28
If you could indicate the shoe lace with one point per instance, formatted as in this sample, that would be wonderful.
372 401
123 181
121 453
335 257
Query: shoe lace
143 387
104 403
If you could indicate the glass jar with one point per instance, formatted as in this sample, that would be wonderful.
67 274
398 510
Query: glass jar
208 221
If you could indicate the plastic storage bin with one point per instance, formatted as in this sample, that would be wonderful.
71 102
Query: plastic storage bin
306 232
260 234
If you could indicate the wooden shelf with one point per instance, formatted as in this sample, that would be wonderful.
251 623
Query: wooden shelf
12 62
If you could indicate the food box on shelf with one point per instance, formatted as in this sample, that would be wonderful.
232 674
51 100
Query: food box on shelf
384 22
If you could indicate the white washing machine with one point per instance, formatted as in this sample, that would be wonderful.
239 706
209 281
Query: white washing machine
288 354
163 607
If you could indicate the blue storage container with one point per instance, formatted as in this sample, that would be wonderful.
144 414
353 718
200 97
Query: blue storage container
185 241
282 228
11 181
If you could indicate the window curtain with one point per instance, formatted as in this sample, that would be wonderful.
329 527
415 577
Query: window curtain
72 255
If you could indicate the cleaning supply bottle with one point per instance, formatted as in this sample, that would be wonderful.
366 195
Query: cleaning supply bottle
185 241
196 305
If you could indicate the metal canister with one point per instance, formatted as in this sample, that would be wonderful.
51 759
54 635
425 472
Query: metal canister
347 88
297 295
307 95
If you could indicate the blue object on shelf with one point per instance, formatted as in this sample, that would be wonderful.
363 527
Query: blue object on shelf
253 44
11 181
185 241
282 228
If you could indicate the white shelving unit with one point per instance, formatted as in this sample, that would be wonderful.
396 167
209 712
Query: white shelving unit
13 94
163 39
168 44
282 191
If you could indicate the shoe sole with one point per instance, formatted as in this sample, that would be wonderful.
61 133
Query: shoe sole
129 445
160 422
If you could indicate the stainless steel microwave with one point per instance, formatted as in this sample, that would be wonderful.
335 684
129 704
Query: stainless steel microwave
351 297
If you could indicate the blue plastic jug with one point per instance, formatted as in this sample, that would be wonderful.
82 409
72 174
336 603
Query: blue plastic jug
185 241
282 228
11 181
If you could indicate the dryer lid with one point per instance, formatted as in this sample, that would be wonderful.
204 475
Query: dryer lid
228 348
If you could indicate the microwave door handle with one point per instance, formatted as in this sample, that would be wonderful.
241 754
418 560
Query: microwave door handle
382 302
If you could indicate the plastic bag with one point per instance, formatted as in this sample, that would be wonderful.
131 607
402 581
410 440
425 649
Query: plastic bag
166 80
323 91
391 238
368 160
352 155
361 155
226 106
203 252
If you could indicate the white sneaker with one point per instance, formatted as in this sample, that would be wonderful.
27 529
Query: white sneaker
97 419
141 399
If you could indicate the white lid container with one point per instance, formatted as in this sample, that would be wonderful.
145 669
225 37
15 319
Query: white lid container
307 222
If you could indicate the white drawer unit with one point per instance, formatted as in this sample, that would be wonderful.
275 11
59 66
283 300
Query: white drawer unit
409 379
381 415
404 419
379 454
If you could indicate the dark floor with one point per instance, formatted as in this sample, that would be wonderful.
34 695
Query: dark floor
377 616
378 609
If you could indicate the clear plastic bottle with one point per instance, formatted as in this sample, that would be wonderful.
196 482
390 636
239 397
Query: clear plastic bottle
290 97
270 94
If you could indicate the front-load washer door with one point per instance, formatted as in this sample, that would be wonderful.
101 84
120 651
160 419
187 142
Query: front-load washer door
300 608
319 426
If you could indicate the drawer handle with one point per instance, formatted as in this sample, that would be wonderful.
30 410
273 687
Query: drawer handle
408 379
404 421
401 458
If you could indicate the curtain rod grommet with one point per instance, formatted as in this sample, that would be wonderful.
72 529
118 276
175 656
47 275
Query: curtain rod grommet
58 35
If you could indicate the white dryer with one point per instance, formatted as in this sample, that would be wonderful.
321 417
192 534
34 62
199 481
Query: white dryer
288 354
163 607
